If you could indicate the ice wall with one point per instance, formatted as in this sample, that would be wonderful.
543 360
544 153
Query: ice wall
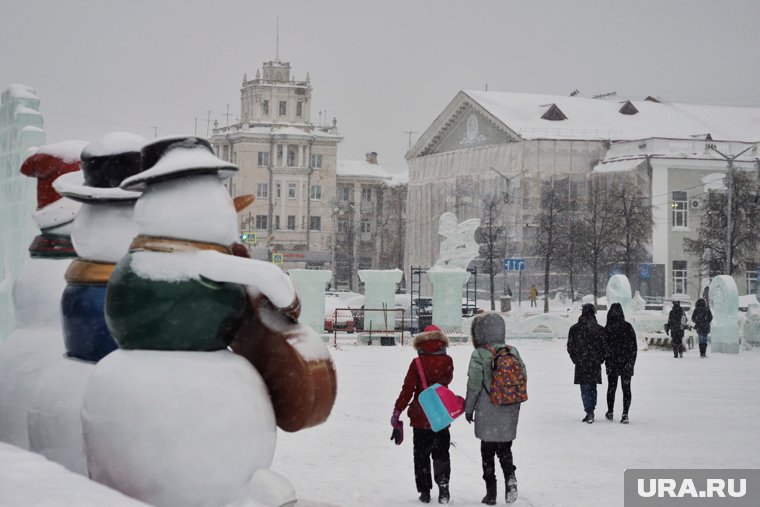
20 132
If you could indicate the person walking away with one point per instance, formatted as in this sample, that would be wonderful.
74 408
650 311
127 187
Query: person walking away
675 326
437 367
702 317
495 424
585 345
620 349
533 295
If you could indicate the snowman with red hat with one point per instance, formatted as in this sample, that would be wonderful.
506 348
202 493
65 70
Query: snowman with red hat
101 234
174 417
35 343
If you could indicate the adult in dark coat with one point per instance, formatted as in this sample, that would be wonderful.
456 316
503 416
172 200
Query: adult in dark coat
438 368
702 317
619 358
585 345
675 326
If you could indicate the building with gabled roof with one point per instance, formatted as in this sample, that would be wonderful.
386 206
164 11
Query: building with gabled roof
512 142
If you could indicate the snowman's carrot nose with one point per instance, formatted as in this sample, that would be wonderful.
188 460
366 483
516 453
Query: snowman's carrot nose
243 201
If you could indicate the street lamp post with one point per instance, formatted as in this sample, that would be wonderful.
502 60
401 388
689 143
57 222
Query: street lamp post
507 180
729 197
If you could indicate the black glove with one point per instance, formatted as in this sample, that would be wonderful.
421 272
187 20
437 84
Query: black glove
469 417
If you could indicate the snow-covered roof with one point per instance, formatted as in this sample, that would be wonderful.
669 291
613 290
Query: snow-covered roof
291 130
361 168
601 119
21 91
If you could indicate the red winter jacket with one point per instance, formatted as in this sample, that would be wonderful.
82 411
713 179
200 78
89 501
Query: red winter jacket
438 368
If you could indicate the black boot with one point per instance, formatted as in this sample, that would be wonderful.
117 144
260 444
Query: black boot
443 493
425 496
490 498
511 494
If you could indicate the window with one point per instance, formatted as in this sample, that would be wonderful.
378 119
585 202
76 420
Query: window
680 209
291 190
342 225
316 161
365 226
291 156
315 223
262 190
316 192
283 108
344 193
277 189
263 158
226 153
753 282
679 277
277 222
291 222
265 108
299 109
366 194
261 221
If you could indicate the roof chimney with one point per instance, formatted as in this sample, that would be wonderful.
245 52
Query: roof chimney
371 157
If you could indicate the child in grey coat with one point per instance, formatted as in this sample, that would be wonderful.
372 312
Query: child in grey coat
495 425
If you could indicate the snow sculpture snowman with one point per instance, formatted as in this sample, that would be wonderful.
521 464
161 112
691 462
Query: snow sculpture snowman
36 340
173 417
101 234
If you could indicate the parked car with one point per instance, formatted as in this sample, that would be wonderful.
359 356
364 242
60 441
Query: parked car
342 320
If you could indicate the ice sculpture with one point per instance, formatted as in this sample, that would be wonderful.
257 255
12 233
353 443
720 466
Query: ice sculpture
619 291
459 247
447 297
638 304
311 287
379 292
752 325
20 132
724 300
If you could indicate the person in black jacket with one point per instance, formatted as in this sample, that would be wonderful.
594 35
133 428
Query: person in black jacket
585 345
702 317
619 357
675 326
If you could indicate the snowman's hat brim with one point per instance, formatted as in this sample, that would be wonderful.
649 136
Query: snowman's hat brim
179 162
72 185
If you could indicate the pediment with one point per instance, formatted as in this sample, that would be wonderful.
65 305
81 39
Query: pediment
465 126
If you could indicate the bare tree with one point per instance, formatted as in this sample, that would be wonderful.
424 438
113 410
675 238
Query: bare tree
711 244
392 225
490 235
599 227
631 209
551 217
572 251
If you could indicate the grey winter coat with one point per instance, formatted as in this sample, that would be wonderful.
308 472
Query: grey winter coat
493 423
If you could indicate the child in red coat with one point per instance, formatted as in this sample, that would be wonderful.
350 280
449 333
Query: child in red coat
438 368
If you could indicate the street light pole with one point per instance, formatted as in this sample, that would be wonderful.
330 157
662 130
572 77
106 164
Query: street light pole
729 198
508 180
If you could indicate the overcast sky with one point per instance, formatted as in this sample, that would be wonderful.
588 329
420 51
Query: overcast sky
380 67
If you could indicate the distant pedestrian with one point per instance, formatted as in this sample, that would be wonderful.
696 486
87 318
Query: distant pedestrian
437 367
702 317
585 345
533 295
675 327
619 358
495 425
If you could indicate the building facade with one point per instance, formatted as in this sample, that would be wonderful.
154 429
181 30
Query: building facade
288 163
510 143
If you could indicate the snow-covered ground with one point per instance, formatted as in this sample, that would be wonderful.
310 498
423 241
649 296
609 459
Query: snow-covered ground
686 413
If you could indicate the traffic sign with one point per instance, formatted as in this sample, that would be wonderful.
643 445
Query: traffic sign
248 237
514 264
278 258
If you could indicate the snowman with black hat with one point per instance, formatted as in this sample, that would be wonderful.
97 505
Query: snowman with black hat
35 343
101 234
175 418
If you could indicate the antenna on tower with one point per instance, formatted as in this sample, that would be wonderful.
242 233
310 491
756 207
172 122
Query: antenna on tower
277 47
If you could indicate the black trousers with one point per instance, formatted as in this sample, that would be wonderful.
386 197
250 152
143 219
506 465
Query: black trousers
625 384
677 344
502 450
429 444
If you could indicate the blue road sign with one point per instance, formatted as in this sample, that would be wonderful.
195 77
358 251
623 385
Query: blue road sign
645 271
514 264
